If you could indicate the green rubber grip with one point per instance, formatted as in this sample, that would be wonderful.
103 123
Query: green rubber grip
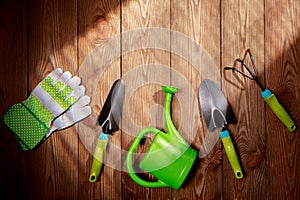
98 160
232 155
280 112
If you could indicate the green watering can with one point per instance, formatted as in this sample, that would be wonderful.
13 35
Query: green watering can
169 158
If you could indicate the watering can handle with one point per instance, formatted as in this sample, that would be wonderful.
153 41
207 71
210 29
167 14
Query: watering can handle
130 153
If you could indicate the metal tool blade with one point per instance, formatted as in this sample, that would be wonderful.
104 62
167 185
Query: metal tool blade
111 113
215 108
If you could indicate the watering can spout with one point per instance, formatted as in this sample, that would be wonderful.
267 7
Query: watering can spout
170 90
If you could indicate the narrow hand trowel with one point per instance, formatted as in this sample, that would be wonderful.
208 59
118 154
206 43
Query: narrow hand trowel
218 114
109 119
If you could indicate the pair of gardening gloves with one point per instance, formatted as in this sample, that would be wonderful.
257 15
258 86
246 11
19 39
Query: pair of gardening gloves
56 103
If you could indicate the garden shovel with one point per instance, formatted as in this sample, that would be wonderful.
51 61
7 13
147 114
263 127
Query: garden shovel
218 114
109 119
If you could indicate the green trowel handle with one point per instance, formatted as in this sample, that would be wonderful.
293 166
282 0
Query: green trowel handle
231 154
279 111
129 163
98 157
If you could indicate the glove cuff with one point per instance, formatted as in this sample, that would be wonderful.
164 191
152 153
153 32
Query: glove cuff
27 128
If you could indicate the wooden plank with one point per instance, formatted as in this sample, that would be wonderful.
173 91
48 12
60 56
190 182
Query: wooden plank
98 22
282 46
144 70
37 36
52 31
200 22
13 89
243 27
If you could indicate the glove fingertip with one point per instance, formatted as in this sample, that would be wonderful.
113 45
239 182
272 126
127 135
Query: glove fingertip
89 110
54 75
85 100
88 100
78 92
59 70
75 82
68 74
65 77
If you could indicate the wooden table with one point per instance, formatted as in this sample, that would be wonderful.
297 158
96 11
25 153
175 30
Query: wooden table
38 36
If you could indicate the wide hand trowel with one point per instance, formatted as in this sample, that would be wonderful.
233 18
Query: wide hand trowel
109 119
218 114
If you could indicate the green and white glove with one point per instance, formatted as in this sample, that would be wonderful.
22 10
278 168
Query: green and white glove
77 112
31 119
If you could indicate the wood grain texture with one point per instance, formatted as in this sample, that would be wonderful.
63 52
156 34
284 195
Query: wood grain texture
203 29
242 28
98 22
37 36
139 68
282 68
13 89
52 43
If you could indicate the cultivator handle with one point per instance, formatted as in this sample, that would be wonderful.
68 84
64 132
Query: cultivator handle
279 111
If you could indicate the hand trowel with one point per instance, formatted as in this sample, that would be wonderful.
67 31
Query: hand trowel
218 114
109 119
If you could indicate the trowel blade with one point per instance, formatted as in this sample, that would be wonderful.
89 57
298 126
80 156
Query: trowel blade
215 108
111 113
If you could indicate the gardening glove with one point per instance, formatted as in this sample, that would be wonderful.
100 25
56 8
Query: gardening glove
77 112
30 120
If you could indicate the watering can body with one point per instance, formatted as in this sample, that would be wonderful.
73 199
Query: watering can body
169 158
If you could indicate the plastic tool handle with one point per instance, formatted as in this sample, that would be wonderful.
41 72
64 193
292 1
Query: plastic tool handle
98 157
231 154
279 111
